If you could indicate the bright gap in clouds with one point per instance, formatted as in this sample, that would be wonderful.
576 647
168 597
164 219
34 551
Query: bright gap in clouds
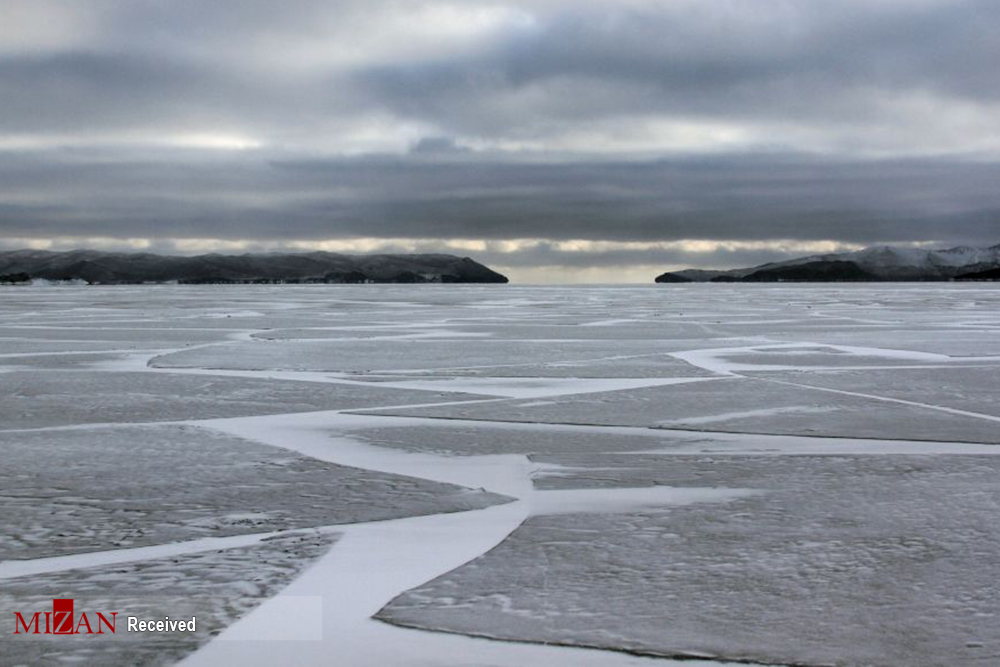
524 261
199 141
418 245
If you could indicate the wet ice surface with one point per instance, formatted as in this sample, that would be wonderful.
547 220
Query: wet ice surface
788 475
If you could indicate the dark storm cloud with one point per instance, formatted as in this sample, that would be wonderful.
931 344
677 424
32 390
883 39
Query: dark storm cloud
632 122
751 198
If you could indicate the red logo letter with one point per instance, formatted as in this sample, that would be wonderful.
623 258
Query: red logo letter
84 621
34 619
111 625
62 615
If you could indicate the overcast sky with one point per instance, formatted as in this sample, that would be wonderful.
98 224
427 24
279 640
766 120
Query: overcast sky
556 140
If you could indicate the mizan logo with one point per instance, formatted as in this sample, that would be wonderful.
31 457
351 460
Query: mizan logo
59 621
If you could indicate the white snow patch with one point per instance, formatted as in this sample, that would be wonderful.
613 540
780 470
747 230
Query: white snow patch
727 416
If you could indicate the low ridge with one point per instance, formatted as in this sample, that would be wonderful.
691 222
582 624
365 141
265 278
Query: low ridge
880 263
107 268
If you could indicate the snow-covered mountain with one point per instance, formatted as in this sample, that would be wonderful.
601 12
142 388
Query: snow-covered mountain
876 263
887 261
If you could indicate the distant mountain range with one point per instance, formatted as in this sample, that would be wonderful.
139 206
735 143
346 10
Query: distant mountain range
882 263
109 268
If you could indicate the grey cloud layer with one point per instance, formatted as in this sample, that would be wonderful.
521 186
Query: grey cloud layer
723 198
760 61
546 119
850 66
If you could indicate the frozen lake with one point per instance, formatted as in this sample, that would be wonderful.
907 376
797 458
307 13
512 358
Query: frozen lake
504 475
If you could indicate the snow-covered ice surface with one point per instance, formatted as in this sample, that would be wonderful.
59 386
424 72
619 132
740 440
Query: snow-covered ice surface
518 475
856 560
105 487
215 587
34 399
740 405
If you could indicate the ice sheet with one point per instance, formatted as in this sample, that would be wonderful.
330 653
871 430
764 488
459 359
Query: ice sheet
844 560
789 473
738 404
79 490
216 588
41 399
